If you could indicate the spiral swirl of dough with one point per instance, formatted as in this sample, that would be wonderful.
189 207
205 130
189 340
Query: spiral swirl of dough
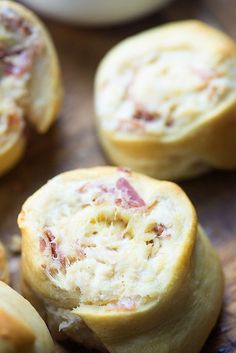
111 255
30 84
164 99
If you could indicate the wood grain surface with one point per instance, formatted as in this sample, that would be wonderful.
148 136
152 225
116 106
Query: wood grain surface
72 143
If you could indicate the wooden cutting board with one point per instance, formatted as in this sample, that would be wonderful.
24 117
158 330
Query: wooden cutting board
72 143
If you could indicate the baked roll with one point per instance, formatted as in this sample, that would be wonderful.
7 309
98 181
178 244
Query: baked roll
21 328
117 261
30 84
165 101
4 270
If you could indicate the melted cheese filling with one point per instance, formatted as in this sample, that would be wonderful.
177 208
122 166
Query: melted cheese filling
112 240
164 91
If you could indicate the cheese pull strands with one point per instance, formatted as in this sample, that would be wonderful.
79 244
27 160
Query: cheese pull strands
30 84
117 261
165 97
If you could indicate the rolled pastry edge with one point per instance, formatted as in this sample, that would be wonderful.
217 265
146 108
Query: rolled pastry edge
185 157
187 310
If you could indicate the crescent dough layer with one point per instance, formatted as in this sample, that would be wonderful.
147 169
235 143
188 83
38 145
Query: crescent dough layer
116 260
165 101
4 271
30 80
21 328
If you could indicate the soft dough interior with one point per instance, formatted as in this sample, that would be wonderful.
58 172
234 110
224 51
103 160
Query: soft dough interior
20 43
30 86
163 80
110 239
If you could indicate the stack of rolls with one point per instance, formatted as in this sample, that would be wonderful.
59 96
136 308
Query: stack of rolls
30 84
117 261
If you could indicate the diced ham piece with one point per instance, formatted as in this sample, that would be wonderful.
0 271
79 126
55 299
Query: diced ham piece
6 53
161 230
129 196
124 195
144 115
14 22
62 260
51 240
118 202
106 189
21 64
83 188
42 244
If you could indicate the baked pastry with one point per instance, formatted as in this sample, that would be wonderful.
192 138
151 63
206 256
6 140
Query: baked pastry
117 261
165 101
21 328
4 270
30 84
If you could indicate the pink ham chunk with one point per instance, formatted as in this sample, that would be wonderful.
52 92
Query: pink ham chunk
144 115
129 196
48 240
161 231
22 63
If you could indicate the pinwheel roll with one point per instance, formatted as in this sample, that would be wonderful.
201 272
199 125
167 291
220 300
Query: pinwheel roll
21 328
117 261
165 101
4 271
30 85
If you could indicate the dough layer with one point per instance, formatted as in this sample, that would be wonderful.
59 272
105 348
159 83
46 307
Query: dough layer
117 260
30 83
165 101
